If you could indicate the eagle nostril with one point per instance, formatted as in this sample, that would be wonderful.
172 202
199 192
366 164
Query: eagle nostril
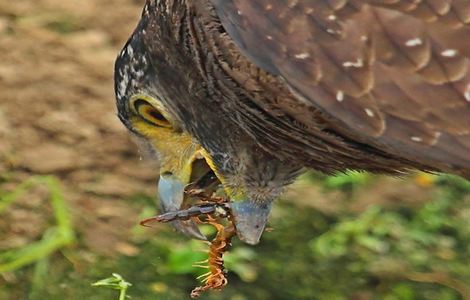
166 174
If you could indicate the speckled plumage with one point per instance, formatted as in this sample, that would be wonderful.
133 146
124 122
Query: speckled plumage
373 85
394 75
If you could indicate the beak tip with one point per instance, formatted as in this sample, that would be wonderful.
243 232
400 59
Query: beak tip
250 219
171 195
250 240
189 228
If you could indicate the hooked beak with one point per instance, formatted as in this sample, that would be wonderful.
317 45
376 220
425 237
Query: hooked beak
179 174
171 195
249 216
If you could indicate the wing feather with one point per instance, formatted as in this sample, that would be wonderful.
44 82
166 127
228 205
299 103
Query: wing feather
395 73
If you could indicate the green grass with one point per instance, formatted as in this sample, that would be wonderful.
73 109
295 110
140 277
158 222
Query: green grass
53 239
115 282
397 253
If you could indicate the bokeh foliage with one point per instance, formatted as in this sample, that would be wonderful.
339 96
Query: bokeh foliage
401 252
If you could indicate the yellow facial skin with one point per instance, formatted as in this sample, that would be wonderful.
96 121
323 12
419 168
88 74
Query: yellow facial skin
233 194
176 150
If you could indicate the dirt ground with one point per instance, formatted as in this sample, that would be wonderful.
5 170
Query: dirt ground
57 116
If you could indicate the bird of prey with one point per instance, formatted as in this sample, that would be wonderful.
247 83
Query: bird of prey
246 94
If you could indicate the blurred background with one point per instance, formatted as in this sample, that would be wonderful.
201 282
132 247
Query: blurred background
73 188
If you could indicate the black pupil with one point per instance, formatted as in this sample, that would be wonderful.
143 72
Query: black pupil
155 114
150 110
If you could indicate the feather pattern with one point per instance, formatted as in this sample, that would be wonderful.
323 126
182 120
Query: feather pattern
392 74
376 85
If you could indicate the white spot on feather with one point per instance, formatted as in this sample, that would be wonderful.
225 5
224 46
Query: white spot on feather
414 42
340 96
416 139
239 12
123 83
466 94
437 135
449 53
332 17
303 55
123 52
130 50
330 31
369 112
269 37
355 64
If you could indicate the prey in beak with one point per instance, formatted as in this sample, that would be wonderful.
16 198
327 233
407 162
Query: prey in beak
186 166
175 193
171 195
181 200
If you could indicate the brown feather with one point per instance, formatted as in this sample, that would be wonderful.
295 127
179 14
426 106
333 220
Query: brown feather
377 85
391 74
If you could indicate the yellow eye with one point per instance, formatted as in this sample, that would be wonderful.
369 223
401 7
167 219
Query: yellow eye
150 114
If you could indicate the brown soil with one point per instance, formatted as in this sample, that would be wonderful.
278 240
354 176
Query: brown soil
57 116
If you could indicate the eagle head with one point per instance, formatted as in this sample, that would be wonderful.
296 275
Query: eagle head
166 99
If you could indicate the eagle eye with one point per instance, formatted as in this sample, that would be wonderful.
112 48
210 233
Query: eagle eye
150 114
